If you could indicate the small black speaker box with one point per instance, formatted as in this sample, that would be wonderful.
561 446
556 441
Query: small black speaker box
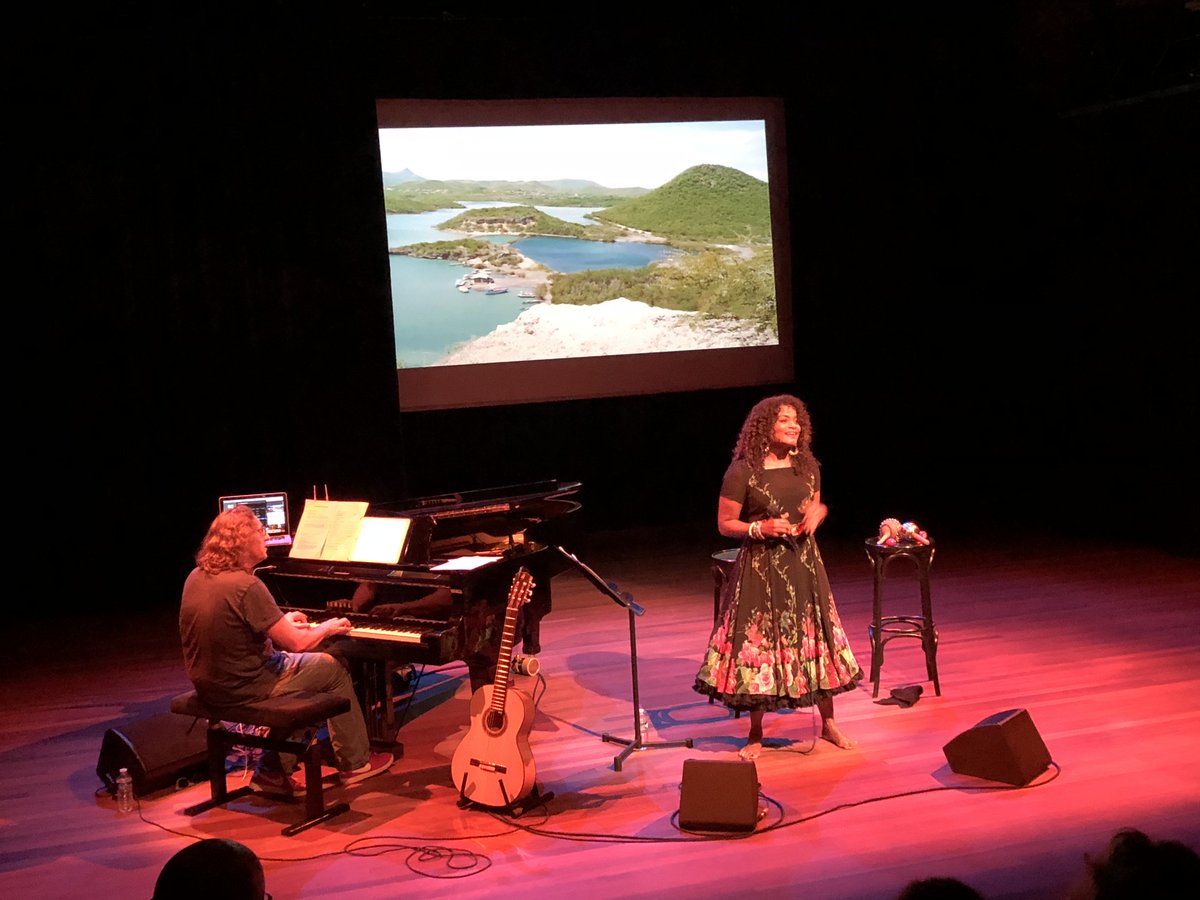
158 751
1003 747
719 795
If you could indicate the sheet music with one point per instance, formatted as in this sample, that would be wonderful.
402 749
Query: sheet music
464 563
310 533
345 519
328 529
380 540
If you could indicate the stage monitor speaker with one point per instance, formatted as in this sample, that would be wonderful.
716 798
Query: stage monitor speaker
158 751
1003 747
719 795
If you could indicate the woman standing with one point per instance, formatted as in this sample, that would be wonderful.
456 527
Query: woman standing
778 642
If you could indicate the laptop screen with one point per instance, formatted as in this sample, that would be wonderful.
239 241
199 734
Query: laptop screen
271 508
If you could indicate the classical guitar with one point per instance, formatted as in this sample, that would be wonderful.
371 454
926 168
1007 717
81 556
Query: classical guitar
493 765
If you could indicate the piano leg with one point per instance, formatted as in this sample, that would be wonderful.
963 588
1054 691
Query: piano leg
530 622
531 635
482 670
373 684
379 704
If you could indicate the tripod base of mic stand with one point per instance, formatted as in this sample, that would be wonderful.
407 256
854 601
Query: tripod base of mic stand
639 744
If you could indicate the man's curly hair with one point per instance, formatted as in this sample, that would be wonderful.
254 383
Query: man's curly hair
229 536
755 436
1134 864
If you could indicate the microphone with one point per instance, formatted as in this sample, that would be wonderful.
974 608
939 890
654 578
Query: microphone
526 665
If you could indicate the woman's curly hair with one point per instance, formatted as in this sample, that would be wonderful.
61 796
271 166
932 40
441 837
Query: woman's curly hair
231 534
755 437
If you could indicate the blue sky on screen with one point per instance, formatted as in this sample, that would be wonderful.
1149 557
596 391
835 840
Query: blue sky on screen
645 155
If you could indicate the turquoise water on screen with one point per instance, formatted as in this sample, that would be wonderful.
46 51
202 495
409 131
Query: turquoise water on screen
431 316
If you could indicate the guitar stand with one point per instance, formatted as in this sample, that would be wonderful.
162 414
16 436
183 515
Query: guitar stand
513 809
627 601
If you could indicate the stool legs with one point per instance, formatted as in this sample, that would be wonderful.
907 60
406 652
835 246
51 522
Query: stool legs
884 628
315 811
875 630
718 576
929 635
219 793
219 743
721 567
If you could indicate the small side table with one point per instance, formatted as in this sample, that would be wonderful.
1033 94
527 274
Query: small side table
884 628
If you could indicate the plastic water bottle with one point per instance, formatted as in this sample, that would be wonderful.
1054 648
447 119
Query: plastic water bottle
124 791
643 723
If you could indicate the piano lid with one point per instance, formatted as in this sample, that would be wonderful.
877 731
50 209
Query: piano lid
528 501
490 520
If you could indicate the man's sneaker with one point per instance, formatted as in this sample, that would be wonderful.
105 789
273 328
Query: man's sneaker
279 784
376 765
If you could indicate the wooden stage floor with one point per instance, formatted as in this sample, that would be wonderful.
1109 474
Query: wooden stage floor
1098 644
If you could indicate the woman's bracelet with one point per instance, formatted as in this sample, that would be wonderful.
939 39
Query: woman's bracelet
755 530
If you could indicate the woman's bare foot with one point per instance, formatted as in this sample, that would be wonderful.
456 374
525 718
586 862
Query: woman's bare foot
753 739
751 750
833 734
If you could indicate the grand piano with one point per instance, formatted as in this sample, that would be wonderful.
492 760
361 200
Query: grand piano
445 600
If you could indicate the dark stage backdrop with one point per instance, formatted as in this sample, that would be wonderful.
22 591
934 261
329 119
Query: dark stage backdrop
988 262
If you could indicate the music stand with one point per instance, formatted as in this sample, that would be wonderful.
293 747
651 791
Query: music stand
626 600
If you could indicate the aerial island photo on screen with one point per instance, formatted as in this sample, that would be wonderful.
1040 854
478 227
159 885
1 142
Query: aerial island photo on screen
512 243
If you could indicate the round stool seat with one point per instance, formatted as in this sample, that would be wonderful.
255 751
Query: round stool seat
885 628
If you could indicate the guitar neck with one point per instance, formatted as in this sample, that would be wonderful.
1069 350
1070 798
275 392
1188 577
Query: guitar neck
518 595
504 665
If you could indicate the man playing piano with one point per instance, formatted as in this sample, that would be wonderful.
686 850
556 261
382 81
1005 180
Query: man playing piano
238 647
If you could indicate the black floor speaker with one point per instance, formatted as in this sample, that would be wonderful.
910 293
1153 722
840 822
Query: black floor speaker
1003 747
158 751
718 795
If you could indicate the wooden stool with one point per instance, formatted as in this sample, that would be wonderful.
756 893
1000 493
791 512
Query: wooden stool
301 711
884 628
722 568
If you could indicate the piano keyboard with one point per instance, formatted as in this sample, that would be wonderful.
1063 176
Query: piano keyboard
407 631
382 633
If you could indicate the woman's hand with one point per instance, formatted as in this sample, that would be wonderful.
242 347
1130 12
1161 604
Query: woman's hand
778 527
813 514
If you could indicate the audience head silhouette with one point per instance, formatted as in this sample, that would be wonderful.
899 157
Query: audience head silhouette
1133 865
210 869
938 889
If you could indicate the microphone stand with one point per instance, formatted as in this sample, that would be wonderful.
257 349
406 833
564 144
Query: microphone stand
626 600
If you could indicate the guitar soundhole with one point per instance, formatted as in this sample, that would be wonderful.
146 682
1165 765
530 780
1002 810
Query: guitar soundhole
494 721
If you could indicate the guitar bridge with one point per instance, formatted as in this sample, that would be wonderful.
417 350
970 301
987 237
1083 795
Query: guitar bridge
489 767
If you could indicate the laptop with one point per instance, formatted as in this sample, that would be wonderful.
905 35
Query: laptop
271 507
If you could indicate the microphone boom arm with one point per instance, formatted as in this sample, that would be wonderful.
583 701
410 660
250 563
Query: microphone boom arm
605 587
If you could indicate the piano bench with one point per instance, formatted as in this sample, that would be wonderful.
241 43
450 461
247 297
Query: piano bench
303 711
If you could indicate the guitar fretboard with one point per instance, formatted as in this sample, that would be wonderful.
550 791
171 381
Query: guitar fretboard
518 595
